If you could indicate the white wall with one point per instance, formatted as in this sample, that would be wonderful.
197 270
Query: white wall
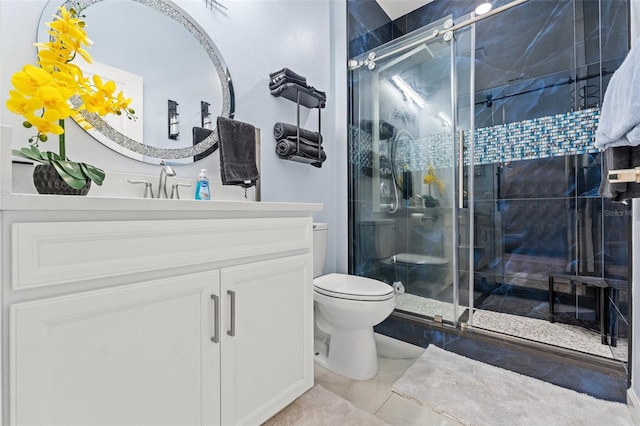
339 82
255 37
635 286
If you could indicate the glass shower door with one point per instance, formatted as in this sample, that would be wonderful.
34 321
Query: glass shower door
409 142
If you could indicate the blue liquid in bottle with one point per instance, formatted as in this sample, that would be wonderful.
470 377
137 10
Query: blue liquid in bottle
203 192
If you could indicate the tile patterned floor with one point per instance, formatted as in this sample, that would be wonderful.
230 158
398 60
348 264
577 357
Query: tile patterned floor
557 334
375 396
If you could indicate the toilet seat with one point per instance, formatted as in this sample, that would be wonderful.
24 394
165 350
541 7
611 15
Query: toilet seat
418 259
352 287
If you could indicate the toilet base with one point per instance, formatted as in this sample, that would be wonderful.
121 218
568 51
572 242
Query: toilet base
350 353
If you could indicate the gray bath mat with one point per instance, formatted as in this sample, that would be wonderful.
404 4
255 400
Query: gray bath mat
319 407
475 393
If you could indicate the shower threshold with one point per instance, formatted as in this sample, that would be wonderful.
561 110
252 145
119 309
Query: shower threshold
562 335
565 338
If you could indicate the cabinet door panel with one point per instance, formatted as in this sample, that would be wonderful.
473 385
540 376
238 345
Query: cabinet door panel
269 360
138 355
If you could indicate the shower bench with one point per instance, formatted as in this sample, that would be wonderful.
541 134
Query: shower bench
602 296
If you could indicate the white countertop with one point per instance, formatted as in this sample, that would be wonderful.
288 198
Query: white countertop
91 203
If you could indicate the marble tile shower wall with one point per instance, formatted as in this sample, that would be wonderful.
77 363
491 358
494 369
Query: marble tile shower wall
541 58
596 29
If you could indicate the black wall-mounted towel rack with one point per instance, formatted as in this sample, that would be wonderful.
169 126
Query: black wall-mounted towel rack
309 98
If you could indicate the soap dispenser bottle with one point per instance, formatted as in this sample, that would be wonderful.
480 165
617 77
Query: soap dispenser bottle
202 187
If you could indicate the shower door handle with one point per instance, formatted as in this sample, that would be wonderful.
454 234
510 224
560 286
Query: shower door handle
216 318
232 330
461 169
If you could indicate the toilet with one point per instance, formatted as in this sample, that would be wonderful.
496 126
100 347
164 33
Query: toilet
346 308
426 275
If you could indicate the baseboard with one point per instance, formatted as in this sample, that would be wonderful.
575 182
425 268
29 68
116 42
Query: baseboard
634 406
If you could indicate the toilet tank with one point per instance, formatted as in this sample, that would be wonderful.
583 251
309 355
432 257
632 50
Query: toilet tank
377 236
320 231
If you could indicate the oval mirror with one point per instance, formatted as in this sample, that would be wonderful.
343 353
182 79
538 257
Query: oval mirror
167 65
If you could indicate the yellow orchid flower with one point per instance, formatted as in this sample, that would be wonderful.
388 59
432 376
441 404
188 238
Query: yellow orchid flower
29 79
50 59
91 102
65 83
22 105
85 55
53 100
105 89
70 29
42 93
430 178
48 123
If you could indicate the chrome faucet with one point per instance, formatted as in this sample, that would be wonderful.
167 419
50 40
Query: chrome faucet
162 184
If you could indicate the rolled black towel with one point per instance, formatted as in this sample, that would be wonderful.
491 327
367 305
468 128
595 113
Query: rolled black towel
279 89
286 148
277 82
287 74
284 130
307 97
315 145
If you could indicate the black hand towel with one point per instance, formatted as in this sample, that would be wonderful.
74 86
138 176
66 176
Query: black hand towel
616 158
237 142
284 130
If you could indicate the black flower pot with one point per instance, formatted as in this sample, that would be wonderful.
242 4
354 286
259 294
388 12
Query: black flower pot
48 181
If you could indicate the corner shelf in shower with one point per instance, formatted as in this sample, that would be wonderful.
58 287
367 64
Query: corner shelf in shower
309 98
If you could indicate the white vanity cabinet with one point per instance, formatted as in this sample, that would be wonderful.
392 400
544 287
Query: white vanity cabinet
265 350
186 321
138 354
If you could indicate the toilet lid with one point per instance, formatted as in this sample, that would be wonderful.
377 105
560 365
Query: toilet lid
352 287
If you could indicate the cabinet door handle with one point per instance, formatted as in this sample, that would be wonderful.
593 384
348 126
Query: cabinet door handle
216 318
232 331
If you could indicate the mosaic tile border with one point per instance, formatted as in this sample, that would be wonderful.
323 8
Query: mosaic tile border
552 136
